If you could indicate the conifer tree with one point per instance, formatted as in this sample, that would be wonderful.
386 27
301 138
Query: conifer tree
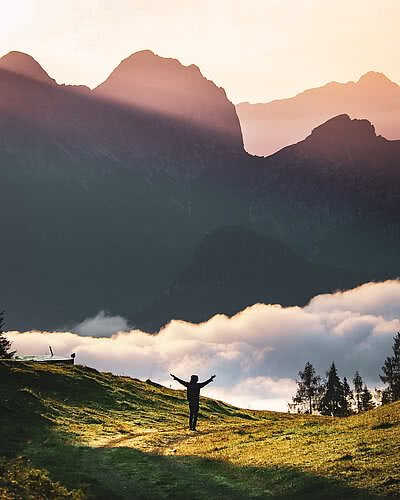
386 396
367 402
5 345
309 387
348 398
333 401
358 387
391 370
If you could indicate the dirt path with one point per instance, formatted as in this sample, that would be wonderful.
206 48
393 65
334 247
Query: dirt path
154 440
147 465
132 435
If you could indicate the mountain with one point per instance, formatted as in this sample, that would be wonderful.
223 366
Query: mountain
100 120
100 202
25 65
341 184
105 200
233 268
268 127
163 86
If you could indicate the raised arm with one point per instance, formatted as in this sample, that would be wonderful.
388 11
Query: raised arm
202 384
180 380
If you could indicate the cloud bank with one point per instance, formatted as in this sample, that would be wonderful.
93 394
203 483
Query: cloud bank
102 325
256 354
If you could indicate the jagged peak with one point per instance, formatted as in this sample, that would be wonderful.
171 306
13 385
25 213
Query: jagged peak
25 65
140 54
165 86
147 70
341 119
374 77
342 128
344 121
148 59
145 52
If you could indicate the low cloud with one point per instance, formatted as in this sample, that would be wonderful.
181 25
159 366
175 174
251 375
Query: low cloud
256 354
102 325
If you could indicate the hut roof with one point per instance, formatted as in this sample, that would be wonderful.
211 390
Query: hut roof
45 358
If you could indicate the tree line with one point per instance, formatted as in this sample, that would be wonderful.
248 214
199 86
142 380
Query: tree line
335 397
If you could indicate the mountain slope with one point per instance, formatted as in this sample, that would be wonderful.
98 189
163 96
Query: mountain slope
104 436
233 268
268 127
341 176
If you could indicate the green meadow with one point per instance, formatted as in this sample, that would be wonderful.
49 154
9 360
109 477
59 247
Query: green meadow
76 433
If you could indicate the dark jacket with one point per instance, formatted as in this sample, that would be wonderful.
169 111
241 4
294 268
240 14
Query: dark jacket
193 388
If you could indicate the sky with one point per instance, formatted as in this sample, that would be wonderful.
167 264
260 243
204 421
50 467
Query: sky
258 50
255 355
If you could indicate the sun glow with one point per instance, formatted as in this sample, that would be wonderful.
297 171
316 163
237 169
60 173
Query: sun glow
256 50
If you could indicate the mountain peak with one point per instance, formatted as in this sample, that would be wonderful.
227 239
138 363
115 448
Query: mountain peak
374 77
164 86
147 79
342 131
145 52
25 65
146 61
140 55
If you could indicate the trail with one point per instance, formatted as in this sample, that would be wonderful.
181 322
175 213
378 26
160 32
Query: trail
163 440
112 443
146 465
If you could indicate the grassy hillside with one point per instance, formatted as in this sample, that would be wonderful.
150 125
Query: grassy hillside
73 432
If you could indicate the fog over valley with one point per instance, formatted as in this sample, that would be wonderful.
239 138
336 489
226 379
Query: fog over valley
256 354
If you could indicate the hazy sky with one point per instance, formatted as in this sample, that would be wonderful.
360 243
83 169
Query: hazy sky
258 50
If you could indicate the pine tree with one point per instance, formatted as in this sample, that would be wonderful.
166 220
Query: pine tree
367 402
391 370
348 398
386 396
333 401
358 387
309 387
5 345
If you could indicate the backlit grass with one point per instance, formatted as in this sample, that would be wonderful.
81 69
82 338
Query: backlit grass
102 436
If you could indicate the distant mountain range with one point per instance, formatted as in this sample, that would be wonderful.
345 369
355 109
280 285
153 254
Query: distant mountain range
138 198
268 127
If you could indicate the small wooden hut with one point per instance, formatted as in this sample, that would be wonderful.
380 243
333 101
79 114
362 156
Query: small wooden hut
47 358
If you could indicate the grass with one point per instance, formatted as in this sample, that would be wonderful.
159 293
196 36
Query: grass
73 432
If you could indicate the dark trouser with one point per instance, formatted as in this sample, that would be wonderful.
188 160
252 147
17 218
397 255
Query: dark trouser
194 411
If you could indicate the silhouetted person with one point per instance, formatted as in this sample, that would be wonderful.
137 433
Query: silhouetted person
193 396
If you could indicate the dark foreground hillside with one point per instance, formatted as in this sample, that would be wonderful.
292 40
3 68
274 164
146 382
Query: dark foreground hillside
72 432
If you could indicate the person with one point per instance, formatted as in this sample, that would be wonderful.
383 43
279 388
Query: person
193 396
